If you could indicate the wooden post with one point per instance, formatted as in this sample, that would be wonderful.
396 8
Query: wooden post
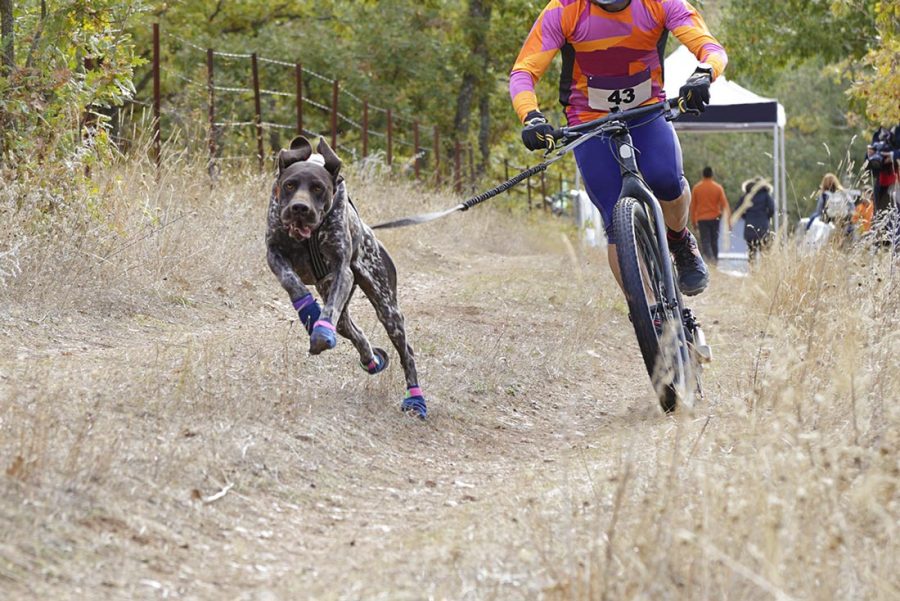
298 78
437 157
258 108
334 114
544 193
458 168
471 167
211 91
390 138
528 187
157 134
416 148
365 129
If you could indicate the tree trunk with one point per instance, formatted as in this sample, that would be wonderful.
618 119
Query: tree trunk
477 71
6 36
484 132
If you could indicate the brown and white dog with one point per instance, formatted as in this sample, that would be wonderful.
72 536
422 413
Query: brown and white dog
316 237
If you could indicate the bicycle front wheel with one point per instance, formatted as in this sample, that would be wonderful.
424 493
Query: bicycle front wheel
656 318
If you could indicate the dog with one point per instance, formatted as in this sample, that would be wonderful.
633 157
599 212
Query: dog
315 237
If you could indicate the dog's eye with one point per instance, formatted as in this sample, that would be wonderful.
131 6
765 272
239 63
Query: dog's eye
290 186
315 189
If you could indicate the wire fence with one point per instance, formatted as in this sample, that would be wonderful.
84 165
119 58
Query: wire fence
300 101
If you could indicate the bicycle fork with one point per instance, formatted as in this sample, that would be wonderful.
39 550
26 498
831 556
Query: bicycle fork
633 186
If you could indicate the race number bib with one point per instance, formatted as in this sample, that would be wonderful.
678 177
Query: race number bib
607 93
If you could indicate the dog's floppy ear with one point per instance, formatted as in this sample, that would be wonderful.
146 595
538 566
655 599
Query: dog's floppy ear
300 150
332 162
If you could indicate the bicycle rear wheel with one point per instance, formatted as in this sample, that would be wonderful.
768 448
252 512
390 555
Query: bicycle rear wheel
656 318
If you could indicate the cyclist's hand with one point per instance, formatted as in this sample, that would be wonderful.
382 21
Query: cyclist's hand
695 91
537 133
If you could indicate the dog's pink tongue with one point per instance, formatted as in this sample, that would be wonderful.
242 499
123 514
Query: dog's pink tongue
305 231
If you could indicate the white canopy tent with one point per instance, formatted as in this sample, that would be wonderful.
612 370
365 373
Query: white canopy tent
732 108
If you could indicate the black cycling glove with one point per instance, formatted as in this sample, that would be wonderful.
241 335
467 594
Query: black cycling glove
537 133
695 91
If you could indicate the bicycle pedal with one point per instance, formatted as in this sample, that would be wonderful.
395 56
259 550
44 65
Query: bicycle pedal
703 350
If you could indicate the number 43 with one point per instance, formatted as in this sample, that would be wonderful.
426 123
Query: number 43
622 96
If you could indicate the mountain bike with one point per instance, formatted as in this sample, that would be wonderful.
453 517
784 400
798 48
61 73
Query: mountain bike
672 343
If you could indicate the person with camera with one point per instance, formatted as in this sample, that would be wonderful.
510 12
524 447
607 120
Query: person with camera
881 158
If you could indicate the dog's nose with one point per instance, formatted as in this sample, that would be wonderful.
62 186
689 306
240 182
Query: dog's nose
300 209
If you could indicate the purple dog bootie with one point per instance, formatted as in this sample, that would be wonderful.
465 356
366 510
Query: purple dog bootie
308 310
414 401
378 363
322 337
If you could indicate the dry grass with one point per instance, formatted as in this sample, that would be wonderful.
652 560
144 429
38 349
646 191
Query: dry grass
164 435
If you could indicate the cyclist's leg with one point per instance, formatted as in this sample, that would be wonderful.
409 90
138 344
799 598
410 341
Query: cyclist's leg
659 158
660 162
602 181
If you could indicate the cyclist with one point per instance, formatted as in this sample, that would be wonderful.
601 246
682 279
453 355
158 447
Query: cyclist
613 59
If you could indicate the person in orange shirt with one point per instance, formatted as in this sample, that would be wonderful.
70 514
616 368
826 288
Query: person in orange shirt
707 208
862 213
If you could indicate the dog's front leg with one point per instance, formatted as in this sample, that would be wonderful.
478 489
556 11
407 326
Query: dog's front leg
302 299
323 334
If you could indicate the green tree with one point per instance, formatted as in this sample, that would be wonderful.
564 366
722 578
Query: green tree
64 66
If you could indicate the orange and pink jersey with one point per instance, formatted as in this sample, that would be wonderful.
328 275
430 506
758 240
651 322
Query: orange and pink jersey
609 59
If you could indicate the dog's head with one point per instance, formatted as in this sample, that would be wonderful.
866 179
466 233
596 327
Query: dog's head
306 185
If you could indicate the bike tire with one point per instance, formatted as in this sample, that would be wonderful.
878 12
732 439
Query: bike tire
640 264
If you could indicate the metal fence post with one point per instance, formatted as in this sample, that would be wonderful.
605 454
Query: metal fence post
437 157
458 168
298 78
258 108
211 90
157 134
416 148
365 129
544 192
390 138
334 114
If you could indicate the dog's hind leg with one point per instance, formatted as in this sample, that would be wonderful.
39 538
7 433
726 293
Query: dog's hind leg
379 283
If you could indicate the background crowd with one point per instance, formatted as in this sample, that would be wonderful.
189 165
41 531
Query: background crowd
867 210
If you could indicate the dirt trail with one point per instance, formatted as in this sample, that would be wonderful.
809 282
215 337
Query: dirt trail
198 452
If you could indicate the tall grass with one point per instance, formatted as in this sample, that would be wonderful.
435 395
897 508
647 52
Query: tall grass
163 433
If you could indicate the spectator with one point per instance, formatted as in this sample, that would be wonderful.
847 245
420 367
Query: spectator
833 205
881 157
862 213
757 208
708 204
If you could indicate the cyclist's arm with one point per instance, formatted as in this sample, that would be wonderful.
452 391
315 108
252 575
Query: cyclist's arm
685 22
541 45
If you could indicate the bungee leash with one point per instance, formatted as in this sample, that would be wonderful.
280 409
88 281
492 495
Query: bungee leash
575 136
500 189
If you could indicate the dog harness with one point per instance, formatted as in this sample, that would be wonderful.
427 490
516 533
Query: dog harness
319 264
610 60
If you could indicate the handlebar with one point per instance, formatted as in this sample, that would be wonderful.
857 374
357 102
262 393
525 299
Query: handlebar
565 133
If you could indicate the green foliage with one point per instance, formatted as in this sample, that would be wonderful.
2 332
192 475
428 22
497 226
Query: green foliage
764 38
72 63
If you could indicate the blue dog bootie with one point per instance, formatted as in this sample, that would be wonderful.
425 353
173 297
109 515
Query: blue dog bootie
414 401
378 363
322 337
308 310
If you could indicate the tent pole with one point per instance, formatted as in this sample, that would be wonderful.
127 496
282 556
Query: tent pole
783 175
776 172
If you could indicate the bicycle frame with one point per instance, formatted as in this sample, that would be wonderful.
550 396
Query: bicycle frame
633 186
